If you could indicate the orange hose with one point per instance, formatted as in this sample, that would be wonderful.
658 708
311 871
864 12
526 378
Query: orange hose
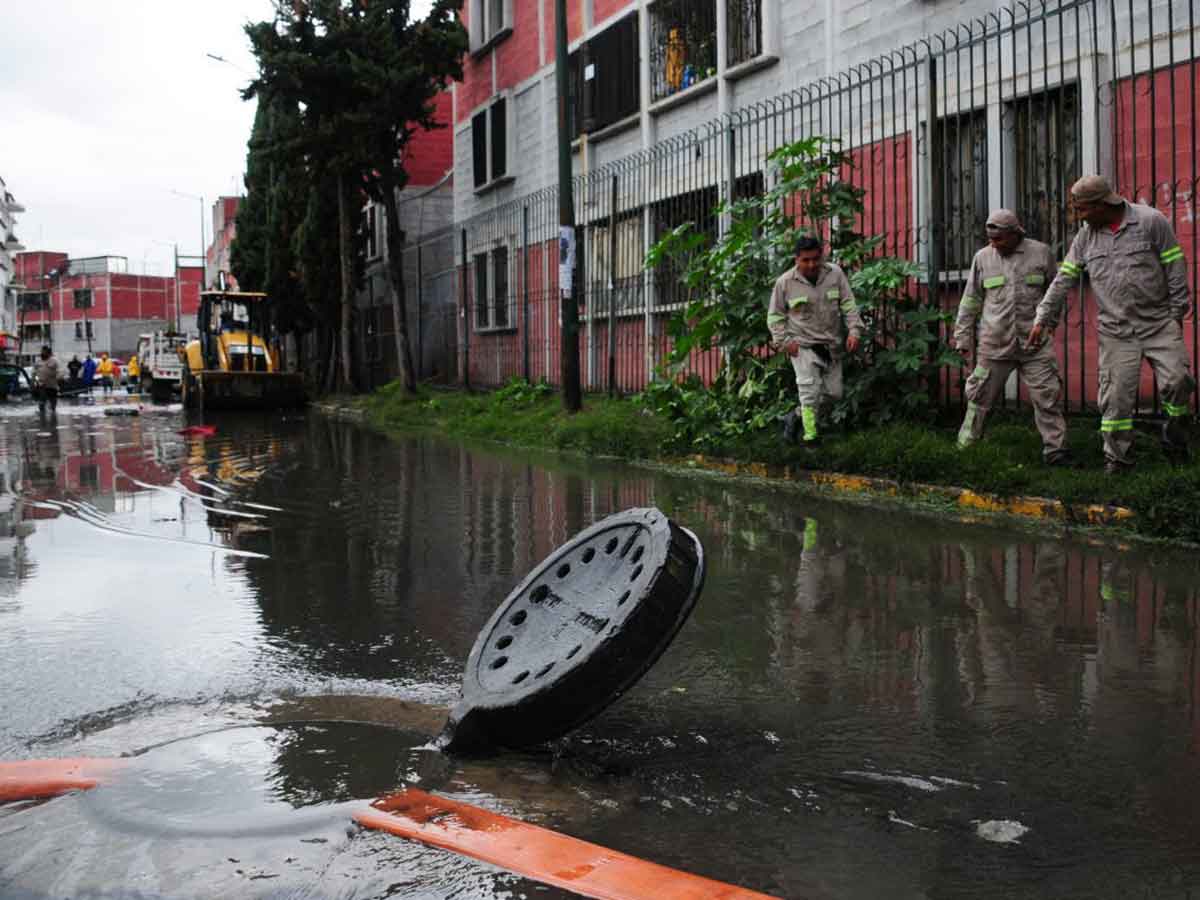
33 778
540 854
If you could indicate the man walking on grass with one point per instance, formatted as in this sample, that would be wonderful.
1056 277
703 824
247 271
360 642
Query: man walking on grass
1138 274
1000 300
805 318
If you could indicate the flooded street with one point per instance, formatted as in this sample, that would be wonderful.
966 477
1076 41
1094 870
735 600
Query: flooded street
865 703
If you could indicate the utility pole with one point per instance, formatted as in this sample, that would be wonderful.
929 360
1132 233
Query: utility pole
569 359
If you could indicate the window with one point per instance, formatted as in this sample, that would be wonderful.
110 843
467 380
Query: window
490 143
695 207
744 28
32 301
83 298
493 301
624 271
959 194
683 45
1046 139
79 332
488 21
605 84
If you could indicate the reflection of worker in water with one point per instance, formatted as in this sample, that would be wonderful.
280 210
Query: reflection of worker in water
821 562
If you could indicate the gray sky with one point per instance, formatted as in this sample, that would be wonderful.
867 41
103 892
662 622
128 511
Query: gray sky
106 108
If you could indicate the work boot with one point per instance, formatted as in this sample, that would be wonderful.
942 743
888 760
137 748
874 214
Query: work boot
1060 459
811 443
1175 439
789 428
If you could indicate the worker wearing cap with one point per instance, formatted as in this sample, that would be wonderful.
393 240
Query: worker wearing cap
804 316
1004 286
1139 277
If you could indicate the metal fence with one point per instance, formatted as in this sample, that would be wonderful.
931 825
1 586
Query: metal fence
1004 110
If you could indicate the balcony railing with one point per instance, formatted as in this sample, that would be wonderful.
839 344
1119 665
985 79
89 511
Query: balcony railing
683 45
744 30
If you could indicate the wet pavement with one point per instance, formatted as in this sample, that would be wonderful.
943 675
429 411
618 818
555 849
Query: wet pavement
865 703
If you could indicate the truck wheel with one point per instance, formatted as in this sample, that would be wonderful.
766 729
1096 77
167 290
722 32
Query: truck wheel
160 391
189 393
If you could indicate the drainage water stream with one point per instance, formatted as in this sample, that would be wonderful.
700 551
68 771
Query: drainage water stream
865 703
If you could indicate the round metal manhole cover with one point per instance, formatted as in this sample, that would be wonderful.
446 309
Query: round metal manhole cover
578 631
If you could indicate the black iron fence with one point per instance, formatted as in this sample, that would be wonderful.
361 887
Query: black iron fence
1002 111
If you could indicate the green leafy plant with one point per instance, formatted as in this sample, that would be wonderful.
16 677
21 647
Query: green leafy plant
728 280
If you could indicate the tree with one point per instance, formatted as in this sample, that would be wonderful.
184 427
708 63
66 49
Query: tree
364 77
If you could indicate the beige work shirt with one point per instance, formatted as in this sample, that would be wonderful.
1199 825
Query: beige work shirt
812 314
1138 274
46 371
1001 297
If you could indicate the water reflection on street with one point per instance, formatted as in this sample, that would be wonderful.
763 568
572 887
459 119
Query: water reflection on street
865 702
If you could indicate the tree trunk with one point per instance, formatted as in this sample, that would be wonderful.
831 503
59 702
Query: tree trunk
345 233
331 368
395 254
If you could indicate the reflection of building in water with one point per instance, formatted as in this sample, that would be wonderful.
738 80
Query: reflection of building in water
13 530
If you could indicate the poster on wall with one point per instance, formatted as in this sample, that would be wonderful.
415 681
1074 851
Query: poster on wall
566 258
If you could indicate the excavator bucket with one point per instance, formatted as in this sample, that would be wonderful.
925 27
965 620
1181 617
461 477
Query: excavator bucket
250 390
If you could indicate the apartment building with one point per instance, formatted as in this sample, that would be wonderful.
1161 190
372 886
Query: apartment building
947 107
9 209
94 304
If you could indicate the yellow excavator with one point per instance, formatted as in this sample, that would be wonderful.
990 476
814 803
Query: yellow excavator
231 365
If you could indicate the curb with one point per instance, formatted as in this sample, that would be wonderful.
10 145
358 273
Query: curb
1040 508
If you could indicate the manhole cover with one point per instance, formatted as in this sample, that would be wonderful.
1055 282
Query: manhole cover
578 631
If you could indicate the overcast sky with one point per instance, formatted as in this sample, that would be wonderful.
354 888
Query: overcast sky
106 108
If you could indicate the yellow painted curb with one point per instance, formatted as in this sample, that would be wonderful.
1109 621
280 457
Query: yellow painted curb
1042 508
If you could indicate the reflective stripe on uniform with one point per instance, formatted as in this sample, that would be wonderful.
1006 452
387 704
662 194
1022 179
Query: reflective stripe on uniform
1066 267
774 318
970 303
810 534
994 282
1035 278
793 302
849 306
1175 409
1116 424
980 372
833 294
1171 255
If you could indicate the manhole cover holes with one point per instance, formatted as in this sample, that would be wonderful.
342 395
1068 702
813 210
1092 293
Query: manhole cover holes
499 662
588 554
636 573
544 669
620 602
518 617
575 650
507 639
520 678
611 545
637 554
564 570
540 593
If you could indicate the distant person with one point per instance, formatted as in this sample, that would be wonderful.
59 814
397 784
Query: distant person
995 316
106 372
47 373
73 368
805 317
133 372
89 372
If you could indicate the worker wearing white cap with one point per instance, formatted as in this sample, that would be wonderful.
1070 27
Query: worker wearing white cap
999 301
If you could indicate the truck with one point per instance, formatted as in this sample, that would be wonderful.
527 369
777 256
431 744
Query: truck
161 367
231 364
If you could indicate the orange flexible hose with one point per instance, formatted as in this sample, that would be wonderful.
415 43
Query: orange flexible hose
540 854
31 779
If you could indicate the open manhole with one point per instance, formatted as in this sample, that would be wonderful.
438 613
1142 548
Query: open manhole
577 632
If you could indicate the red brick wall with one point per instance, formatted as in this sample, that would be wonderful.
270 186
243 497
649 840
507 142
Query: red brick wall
606 9
882 170
431 153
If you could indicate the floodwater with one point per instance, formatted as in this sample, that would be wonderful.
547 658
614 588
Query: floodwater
865 703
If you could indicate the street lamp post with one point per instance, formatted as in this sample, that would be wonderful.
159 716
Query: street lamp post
203 243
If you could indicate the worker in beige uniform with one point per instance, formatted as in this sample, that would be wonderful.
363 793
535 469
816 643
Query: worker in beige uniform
1007 279
808 304
1139 277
